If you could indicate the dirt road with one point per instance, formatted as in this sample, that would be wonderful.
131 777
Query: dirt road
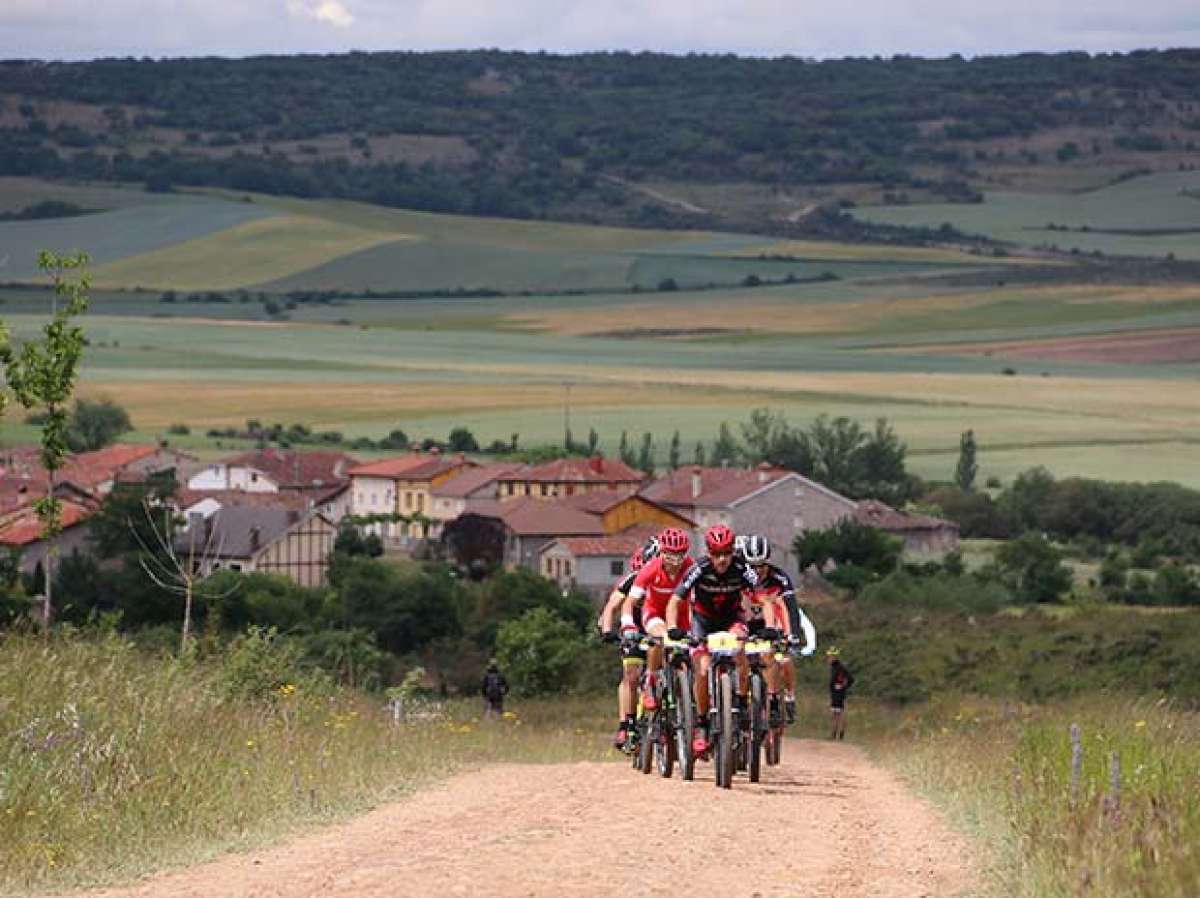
848 828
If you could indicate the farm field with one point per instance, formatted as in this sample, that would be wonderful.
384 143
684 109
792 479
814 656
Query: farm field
1152 215
1082 378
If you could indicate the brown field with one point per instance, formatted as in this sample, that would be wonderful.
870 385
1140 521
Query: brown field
746 310
156 405
1147 347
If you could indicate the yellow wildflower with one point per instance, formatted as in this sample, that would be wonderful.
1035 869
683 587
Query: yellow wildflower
1139 724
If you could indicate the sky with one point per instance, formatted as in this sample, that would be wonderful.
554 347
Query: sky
86 29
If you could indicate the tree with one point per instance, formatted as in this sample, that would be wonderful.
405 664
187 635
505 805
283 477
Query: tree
698 454
673 452
405 610
835 444
42 375
96 424
538 652
625 451
726 450
862 554
462 440
1032 568
762 433
593 442
967 469
645 458
880 466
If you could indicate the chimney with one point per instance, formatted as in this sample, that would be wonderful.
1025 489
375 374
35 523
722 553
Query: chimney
697 482
596 463
764 472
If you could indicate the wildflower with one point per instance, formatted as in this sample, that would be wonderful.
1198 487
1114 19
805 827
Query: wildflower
1139 724
249 743
509 715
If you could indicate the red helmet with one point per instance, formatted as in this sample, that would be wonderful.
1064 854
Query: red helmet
719 538
636 561
674 540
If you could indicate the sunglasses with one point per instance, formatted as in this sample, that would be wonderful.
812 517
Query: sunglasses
673 556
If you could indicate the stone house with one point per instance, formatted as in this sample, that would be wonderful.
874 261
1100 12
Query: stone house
567 477
592 564
403 487
922 534
777 503
450 497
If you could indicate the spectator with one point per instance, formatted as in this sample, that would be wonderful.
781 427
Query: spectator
840 681
493 689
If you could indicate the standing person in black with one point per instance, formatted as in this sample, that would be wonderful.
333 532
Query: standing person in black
840 681
493 689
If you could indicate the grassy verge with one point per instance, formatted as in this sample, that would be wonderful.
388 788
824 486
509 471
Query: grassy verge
114 763
1005 773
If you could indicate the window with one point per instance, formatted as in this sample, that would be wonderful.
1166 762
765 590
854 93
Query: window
254 476
233 566
616 568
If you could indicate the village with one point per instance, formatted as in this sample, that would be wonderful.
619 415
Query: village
574 520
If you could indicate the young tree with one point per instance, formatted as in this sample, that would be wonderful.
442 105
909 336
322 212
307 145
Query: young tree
726 450
462 440
1033 569
42 375
967 469
625 451
593 441
880 464
762 433
673 452
698 455
645 459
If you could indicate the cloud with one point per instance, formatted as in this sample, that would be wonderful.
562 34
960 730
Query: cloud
330 12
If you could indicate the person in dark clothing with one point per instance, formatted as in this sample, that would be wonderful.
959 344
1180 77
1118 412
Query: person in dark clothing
840 681
493 689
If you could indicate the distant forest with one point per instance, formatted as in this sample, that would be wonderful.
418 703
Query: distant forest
534 135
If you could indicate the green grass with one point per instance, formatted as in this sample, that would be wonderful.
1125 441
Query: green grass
114 762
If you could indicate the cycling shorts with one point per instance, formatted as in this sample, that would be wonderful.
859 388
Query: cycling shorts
702 626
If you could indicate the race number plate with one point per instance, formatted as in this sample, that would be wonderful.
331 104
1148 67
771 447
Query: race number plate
722 642
759 647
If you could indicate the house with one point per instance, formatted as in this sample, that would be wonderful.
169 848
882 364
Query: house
568 477
21 529
402 487
97 472
267 539
516 531
321 478
592 563
922 534
772 501
449 498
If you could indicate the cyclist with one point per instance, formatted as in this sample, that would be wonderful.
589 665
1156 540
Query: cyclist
632 654
653 587
773 607
712 593
840 681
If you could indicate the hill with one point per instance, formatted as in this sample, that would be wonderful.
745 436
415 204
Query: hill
617 137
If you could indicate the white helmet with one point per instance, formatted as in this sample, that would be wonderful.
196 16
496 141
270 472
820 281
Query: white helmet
756 549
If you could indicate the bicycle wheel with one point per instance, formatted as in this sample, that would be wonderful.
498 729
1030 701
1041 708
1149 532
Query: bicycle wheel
664 746
758 725
723 758
684 724
646 738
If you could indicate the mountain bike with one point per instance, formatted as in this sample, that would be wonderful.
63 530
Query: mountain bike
725 730
679 706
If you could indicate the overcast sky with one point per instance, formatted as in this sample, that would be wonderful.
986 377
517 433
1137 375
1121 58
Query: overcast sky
82 29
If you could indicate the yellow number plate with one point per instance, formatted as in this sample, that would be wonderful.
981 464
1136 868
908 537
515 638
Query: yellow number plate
722 642
674 643
758 647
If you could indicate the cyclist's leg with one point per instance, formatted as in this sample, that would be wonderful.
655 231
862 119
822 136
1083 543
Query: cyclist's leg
787 677
654 655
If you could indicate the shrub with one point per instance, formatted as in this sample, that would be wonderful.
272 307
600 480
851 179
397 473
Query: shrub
259 662
537 651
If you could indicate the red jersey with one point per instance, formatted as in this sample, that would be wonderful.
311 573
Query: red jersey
657 586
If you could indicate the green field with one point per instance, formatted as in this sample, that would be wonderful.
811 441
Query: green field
1152 215
877 341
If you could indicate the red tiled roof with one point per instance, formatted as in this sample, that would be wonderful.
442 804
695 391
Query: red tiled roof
601 502
298 469
619 545
538 517
577 470
718 486
469 480
295 499
415 466
874 513
26 528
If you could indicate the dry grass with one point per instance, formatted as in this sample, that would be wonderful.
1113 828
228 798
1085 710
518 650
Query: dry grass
1005 772
857 252
747 310
251 253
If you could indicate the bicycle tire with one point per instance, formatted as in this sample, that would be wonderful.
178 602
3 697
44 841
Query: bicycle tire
758 725
664 747
645 752
724 757
685 723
